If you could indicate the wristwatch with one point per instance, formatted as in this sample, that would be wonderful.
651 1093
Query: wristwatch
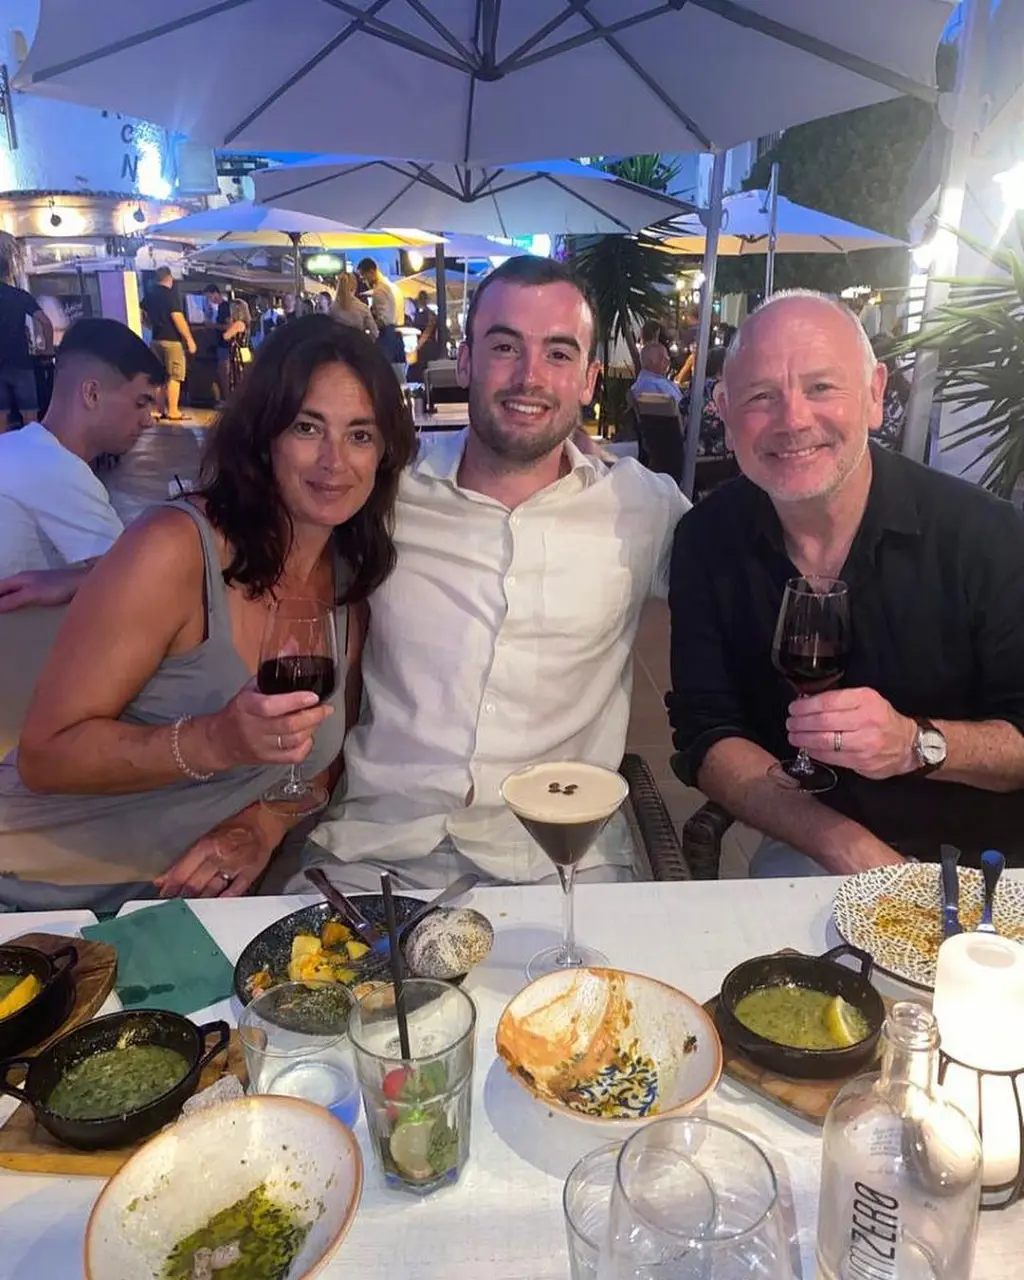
930 747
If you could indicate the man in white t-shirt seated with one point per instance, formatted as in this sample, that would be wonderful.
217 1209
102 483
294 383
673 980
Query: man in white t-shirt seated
653 377
54 511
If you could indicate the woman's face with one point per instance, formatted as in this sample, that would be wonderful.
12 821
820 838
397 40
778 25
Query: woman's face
325 462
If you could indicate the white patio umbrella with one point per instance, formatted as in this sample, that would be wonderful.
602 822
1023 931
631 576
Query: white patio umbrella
556 197
746 227
252 225
478 81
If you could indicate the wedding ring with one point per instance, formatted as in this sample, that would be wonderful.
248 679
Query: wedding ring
280 743
226 876
837 741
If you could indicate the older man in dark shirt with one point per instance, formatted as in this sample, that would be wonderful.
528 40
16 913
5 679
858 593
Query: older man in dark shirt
926 733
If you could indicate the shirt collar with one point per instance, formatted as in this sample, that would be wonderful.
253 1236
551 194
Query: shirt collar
440 459
891 505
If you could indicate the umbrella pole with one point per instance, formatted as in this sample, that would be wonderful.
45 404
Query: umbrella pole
295 237
773 231
956 163
442 296
713 221
465 296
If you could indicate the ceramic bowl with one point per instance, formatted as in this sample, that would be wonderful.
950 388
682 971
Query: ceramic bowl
306 1159
610 1047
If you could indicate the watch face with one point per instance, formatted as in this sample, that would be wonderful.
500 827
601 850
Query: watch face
932 746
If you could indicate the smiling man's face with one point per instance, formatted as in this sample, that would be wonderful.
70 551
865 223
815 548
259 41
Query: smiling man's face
798 397
527 368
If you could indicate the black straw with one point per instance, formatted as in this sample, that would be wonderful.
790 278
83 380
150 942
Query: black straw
396 965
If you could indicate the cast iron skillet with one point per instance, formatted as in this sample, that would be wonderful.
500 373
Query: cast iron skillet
819 973
140 1026
46 1011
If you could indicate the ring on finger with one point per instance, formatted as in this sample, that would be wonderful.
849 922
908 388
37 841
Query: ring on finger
280 743
226 876
837 741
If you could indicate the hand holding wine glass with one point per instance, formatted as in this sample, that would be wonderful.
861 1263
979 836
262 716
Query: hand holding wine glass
299 654
810 648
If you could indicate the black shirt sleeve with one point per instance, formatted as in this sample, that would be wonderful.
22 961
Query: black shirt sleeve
994 572
174 302
704 705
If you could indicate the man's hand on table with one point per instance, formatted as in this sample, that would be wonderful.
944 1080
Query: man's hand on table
225 863
877 742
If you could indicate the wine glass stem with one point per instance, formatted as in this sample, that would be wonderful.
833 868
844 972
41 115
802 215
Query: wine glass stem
567 875
296 785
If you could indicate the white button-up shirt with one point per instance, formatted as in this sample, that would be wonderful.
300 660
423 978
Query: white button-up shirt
502 638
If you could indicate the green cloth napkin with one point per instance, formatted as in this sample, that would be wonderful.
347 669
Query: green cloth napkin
165 959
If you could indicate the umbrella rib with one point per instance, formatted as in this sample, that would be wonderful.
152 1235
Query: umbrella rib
303 71
131 42
365 20
517 60
375 220
741 16
333 176
467 55
627 230
490 15
424 175
603 31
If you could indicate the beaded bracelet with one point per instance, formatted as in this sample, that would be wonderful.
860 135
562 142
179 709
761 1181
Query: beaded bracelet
179 759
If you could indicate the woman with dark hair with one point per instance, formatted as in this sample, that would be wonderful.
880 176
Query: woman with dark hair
147 745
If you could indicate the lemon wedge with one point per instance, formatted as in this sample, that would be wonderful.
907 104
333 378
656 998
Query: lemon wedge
19 996
839 1023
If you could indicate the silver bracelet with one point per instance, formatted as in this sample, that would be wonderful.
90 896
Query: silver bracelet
179 759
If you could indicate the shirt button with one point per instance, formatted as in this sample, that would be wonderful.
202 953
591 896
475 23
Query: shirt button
514 521
510 581
489 708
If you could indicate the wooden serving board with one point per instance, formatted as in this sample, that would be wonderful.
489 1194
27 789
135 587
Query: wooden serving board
25 1146
94 975
809 1099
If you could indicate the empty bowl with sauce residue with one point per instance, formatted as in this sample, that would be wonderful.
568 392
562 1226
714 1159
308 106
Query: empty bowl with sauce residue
610 1047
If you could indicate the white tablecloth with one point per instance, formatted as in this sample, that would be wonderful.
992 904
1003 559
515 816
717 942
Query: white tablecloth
503 1221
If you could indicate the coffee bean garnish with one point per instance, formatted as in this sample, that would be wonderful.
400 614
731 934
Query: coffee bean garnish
556 788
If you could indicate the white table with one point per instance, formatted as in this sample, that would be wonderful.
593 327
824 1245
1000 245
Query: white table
503 1221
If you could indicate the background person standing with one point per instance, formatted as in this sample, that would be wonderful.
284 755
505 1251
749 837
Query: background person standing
19 400
171 337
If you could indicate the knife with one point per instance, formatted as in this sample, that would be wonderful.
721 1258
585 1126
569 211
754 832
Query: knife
950 892
992 863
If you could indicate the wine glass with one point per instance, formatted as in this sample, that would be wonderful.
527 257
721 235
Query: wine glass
693 1200
298 652
564 805
810 648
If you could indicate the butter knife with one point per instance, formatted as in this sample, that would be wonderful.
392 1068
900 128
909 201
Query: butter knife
950 892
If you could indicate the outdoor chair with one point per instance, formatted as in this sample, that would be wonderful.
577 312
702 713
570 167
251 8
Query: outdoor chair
702 834
651 823
659 433
441 385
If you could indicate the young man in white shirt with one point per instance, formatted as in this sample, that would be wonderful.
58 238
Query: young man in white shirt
54 511
505 634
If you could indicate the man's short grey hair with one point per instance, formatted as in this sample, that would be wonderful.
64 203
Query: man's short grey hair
870 359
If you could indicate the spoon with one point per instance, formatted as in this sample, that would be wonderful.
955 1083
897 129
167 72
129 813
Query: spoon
375 939
992 863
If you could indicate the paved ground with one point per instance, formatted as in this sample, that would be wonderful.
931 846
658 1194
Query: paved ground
649 736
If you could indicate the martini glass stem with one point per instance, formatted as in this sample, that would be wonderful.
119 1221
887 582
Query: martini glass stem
569 956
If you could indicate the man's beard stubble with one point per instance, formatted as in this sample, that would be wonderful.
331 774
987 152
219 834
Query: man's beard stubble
513 447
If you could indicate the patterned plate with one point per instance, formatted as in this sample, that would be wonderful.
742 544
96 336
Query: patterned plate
895 914
272 948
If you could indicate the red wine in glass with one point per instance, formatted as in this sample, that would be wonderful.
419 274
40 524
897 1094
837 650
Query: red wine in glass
810 648
298 654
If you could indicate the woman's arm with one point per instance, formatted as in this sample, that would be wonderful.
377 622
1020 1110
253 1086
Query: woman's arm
142 601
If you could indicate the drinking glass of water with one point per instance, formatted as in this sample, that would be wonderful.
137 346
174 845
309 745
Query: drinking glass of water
295 1041
586 1198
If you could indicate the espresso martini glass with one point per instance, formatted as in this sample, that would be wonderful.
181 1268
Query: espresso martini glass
564 805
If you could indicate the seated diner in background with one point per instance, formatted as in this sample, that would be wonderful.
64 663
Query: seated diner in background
926 731
54 510
653 379
147 746
505 635
711 441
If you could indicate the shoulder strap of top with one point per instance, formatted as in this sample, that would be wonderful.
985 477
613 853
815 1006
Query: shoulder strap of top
216 601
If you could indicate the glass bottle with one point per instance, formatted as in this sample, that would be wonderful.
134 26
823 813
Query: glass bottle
901 1167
